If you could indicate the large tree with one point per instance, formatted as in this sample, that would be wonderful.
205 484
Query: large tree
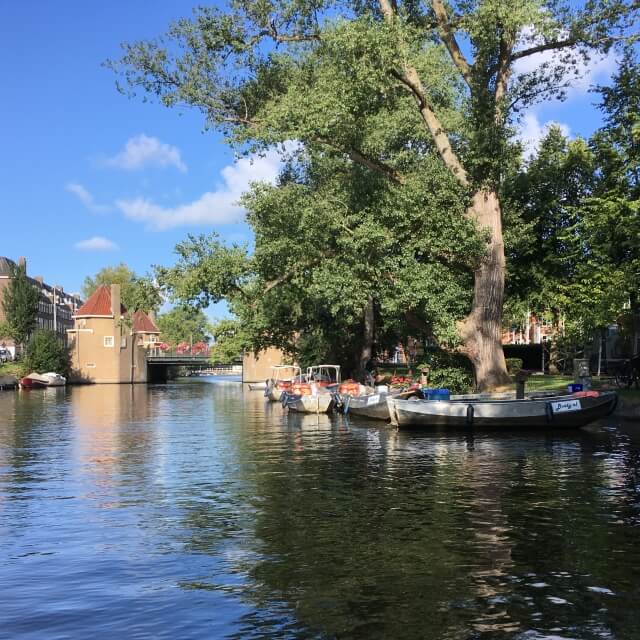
340 262
20 305
318 71
137 292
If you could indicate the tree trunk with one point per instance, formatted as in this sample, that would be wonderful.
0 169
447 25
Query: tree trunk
481 330
366 351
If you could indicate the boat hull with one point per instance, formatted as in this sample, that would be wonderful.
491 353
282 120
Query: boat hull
30 383
42 381
274 394
373 405
551 412
257 386
320 403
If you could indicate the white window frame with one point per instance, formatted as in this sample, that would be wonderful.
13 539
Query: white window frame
108 342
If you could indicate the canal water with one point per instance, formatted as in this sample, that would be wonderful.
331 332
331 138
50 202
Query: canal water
195 510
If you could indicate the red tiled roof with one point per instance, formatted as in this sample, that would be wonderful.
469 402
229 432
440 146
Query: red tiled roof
98 303
142 323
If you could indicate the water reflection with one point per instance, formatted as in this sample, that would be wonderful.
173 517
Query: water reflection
199 510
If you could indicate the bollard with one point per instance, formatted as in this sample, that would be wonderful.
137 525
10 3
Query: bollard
521 379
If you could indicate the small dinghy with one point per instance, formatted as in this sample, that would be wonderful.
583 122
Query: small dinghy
560 411
257 386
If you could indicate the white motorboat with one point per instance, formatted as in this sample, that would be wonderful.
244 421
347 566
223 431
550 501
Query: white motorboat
282 377
316 395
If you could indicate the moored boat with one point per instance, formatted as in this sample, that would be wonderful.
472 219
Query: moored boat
319 402
257 386
317 394
55 379
41 381
282 377
373 403
560 411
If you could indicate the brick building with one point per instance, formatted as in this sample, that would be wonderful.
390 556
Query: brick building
108 344
58 317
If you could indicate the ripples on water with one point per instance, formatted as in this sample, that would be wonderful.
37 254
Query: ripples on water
194 510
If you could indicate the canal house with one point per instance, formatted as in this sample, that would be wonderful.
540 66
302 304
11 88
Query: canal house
107 343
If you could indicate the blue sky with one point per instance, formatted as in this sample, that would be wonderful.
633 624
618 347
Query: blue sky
89 178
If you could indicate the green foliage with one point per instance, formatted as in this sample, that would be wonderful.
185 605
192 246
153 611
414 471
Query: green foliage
45 352
183 324
137 292
229 340
514 365
372 203
20 306
448 370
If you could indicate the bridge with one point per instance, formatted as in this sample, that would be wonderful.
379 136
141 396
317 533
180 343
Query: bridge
159 361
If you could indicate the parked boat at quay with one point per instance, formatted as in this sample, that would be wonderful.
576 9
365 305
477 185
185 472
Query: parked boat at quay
41 381
257 386
372 403
282 377
558 411
317 394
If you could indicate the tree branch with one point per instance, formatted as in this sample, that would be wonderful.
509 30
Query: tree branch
285 277
570 42
448 37
411 79
377 166
547 46
507 42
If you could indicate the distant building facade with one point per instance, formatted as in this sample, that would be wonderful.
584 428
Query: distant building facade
257 367
107 343
535 329
55 307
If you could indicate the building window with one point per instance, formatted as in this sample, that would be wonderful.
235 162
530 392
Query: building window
123 342
108 341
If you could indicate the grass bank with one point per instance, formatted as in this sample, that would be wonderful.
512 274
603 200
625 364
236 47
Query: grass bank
11 369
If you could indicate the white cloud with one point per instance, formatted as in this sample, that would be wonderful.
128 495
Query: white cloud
533 131
96 243
213 207
86 198
144 151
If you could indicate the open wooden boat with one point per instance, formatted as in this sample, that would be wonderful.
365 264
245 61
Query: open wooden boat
257 386
373 404
560 411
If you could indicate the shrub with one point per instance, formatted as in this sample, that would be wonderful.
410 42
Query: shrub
514 365
448 370
46 353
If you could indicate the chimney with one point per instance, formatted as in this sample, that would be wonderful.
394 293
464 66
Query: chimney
39 279
115 301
